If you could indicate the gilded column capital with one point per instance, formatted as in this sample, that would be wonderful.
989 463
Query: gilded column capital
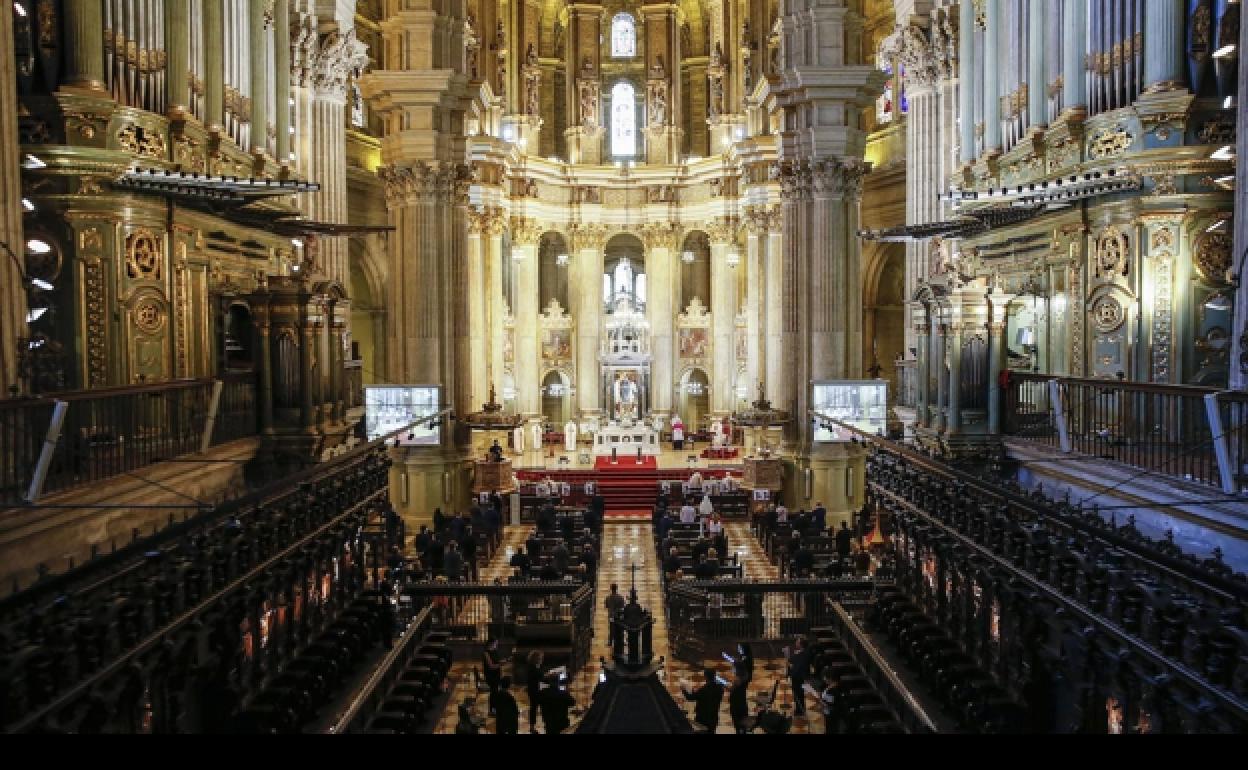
589 237
486 221
723 229
763 220
525 231
664 235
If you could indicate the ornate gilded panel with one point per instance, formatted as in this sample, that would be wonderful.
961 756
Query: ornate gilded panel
144 260
1212 256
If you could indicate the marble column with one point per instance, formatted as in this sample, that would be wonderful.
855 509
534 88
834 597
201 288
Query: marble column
214 66
588 241
478 287
525 236
992 76
1074 36
496 305
662 274
83 28
967 76
773 303
755 244
12 289
724 316
1163 45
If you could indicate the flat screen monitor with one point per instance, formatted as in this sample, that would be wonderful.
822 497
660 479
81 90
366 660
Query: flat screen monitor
394 408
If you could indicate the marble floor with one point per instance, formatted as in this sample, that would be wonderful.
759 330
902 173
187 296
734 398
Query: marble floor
626 544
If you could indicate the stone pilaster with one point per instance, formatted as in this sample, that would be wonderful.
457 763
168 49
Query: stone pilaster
526 234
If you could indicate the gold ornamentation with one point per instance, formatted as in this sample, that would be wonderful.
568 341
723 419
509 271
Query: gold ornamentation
1162 313
1110 143
149 317
1163 238
1107 314
1202 27
137 140
143 256
1212 256
1112 253
1218 130
93 302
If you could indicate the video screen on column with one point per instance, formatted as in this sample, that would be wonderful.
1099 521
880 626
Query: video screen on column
392 408
860 403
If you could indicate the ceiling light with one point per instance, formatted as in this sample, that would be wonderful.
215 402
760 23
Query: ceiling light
26 204
1224 153
31 162
1224 51
35 314
39 283
17 7
1217 227
1228 103
37 246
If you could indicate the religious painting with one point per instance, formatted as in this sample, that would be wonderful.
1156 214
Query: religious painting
557 344
694 343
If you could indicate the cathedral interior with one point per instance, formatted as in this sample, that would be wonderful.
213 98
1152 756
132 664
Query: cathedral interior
354 352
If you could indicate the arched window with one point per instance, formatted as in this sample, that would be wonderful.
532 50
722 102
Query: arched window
623 36
623 121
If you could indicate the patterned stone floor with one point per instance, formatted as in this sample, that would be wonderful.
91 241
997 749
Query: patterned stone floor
624 545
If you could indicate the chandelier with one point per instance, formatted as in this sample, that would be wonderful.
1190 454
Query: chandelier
562 260
688 257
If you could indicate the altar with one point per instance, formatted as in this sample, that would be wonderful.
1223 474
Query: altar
626 438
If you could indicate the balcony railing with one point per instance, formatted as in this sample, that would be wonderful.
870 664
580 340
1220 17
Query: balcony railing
1162 429
112 431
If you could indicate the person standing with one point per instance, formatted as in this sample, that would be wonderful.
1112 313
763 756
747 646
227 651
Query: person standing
492 667
615 605
707 699
453 562
843 540
556 701
534 674
799 672
506 710
820 515
738 700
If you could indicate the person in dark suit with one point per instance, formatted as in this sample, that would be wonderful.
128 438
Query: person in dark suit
738 700
533 675
521 561
492 667
745 659
820 516
506 710
590 562
439 520
556 701
843 539
706 570
706 701
560 557
799 672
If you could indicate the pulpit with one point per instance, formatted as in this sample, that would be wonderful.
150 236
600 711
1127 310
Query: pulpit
633 631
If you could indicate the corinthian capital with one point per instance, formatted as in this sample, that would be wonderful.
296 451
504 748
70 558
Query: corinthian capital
487 220
423 182
661 236
723 229
336 58
587 237
525 231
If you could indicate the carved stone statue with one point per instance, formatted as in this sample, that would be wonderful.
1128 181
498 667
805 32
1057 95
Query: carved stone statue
658 104
658 71
715 104
589 106
530 56
717 56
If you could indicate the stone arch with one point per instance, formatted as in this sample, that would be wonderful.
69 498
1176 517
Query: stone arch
693 408
368 286
884 307
553 277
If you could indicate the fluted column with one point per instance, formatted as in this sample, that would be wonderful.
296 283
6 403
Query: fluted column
773 302
525 236
662 273
1074 37
481 224
12 291
755 243
723 316
496 306
966 77
1163 45
588 241
993 51
84 44
1037 69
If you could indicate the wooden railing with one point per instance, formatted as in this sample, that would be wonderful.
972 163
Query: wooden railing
1162 429
108 432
